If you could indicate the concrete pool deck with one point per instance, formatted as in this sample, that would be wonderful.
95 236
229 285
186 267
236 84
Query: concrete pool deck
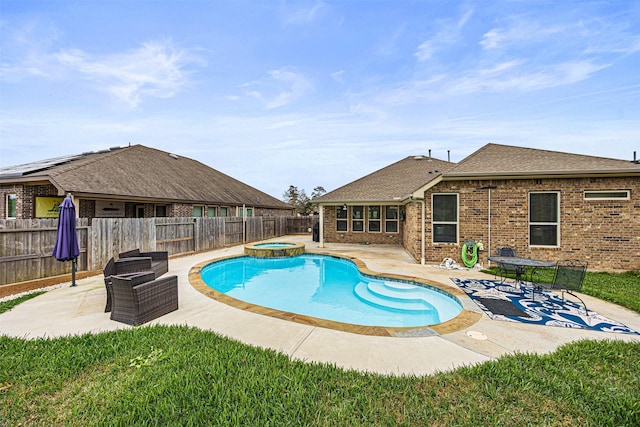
77 310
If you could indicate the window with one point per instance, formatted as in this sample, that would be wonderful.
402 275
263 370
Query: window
211 211
161 211
248 212
357 218
198 211
12 206
342 215
607 195
391 219
445 218
544 214
224 211
373 215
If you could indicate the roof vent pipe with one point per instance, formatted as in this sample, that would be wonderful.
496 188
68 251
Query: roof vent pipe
634 157
429 154
448 155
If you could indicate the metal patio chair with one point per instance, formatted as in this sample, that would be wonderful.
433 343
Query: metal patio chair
505 269
568 277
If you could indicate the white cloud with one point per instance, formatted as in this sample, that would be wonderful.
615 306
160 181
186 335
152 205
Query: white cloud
448 34
304 14
156 69
282 87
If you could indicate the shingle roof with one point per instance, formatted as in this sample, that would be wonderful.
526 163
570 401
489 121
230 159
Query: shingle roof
495 160
140 172
391 183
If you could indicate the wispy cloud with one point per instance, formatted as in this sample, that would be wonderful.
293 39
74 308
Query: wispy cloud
448 34
280 88
295 14
154 70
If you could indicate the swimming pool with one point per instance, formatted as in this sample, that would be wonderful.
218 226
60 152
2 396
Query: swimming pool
327 287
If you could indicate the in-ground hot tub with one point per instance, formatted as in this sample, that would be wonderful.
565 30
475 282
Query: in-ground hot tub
274 249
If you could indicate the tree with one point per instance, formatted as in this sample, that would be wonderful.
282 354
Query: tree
291 195
301 202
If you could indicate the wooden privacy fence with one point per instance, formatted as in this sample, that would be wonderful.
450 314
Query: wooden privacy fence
26 245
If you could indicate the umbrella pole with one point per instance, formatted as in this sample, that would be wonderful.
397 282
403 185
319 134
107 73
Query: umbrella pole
73 271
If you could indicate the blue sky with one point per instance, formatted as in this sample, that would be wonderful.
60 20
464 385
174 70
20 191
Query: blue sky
317 93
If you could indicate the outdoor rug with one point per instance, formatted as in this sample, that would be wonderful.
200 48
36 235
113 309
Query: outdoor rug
504 302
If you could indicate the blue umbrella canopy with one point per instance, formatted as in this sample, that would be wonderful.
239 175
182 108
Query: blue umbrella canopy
66 247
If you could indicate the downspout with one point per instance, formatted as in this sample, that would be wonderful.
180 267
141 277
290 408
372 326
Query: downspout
489 188
423 249
321 228
489 230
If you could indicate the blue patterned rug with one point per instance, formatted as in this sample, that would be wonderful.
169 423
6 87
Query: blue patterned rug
502 301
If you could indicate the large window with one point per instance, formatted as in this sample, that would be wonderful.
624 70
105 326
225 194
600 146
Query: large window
445 218
12 206
544 222
391 219
357 218
342 218
373 215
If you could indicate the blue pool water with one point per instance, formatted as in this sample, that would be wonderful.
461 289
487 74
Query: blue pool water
274 245
329 288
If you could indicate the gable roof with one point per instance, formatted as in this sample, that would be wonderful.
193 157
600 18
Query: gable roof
505 161
392 183
141 173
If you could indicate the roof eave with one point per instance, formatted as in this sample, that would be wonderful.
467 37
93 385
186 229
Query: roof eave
540 175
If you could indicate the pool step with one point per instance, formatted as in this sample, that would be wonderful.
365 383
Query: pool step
394 295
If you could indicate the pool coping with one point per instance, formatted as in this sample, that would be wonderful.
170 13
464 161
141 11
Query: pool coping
469 315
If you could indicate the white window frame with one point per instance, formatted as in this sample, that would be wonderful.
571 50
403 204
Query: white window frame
355 220
9 197
434 223
371 220
341 220
395 220
556 224
607 195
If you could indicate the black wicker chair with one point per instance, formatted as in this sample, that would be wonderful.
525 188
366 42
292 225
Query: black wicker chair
139 299
123 267
159 259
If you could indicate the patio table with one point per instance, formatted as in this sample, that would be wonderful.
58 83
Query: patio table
520 264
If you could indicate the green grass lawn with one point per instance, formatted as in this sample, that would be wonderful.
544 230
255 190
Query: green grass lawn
176 375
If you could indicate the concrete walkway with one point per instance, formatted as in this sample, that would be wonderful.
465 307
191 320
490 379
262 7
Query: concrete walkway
80 309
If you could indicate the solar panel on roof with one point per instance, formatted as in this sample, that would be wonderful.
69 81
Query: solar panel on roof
19 170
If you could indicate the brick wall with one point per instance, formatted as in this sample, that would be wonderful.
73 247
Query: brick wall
606 233
333 236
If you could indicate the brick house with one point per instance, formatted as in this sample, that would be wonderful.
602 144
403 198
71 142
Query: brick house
547 204
129 182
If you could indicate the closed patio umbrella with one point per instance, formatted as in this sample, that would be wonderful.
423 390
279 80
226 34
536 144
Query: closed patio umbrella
66 247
